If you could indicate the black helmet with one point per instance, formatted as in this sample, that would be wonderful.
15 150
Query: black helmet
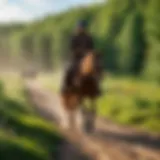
82 23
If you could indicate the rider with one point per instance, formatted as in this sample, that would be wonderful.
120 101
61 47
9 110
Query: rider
81 43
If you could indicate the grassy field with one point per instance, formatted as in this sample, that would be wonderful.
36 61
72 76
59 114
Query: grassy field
131 101
23 134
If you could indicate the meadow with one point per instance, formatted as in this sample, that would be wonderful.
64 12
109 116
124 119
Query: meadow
131 101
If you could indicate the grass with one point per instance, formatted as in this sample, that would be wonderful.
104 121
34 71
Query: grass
131 101
20 148
23 134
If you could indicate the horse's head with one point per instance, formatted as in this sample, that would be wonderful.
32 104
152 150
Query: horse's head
87 65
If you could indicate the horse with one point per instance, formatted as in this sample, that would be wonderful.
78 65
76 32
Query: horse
86 80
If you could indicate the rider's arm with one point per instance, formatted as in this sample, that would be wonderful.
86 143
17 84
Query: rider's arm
90 43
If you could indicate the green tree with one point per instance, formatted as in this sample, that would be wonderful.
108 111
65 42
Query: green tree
131 44
152 66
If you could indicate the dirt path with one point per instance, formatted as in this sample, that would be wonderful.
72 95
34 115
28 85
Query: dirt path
109 142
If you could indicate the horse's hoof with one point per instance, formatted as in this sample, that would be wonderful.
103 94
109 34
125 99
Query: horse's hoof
89 131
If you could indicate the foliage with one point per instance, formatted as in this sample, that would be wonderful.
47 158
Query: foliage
23 134
126 32
131 102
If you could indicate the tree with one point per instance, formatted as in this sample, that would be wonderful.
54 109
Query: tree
131 44
152 66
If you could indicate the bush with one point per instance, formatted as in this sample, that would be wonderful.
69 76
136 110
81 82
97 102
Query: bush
143 103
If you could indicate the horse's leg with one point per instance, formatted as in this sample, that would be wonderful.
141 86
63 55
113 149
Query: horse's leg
68 117
79 118
91 117
73 112
86 118
71 117
75 120
93 114
65 120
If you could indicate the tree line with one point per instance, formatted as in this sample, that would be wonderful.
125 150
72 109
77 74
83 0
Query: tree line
126 33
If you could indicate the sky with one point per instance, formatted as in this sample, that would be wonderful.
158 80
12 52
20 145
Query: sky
28 10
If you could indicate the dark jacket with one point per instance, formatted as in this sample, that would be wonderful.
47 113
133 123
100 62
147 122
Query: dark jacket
80 44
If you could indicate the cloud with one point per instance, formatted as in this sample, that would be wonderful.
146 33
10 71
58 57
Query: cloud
13 13
2 3
26 10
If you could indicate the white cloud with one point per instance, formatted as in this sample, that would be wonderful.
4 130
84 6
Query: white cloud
26 10
23 10
12 13
2 3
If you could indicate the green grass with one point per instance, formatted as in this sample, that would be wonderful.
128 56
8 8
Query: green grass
23 134
131 101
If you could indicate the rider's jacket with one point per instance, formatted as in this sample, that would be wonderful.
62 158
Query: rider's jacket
80 44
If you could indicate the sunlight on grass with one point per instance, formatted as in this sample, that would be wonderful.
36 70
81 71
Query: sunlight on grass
51 81
13 85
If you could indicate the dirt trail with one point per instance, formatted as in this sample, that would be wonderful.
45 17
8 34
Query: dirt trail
109 142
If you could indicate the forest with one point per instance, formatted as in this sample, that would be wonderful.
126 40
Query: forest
126 33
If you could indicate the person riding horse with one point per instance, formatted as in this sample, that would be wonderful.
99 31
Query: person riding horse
81 44
82 78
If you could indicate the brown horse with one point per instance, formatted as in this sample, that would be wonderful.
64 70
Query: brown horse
86 86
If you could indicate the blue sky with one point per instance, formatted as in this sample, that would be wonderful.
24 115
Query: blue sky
27 10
